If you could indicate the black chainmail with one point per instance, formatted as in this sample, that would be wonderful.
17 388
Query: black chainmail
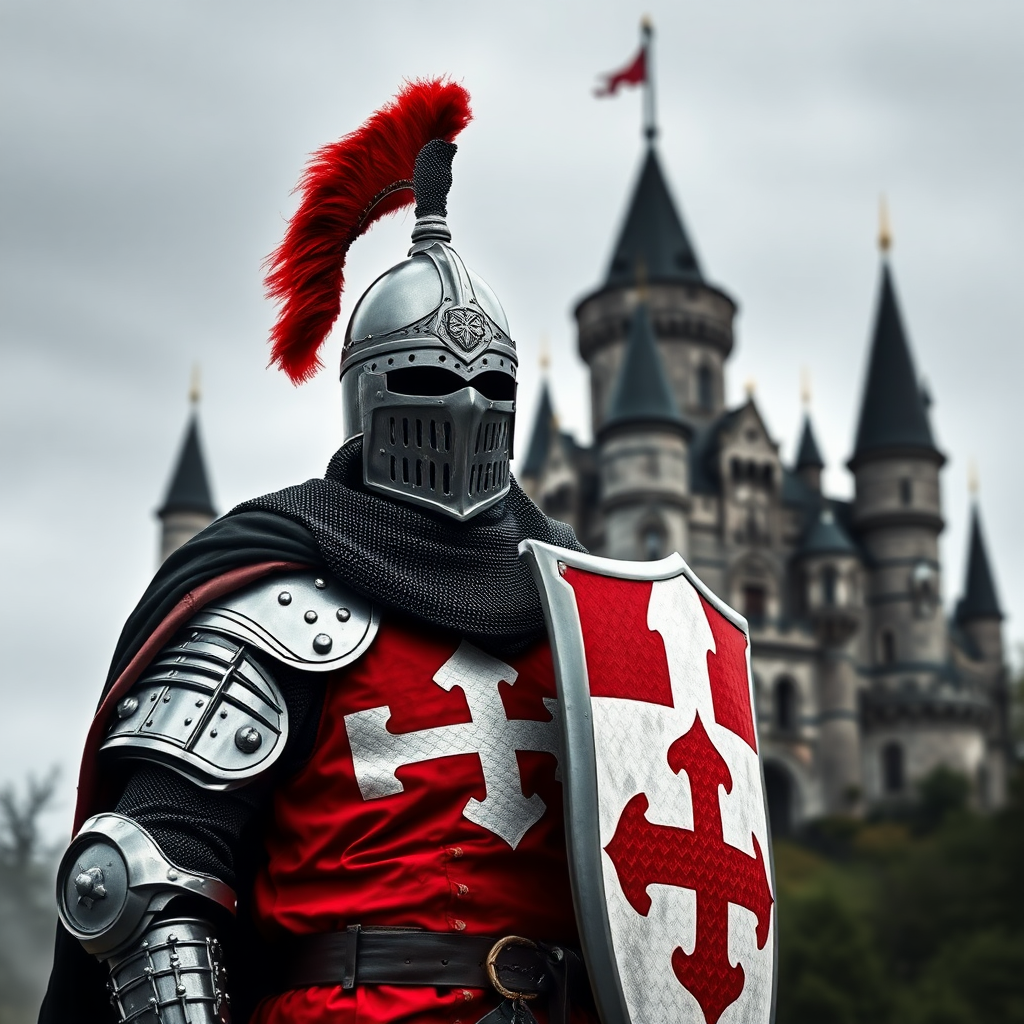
462 576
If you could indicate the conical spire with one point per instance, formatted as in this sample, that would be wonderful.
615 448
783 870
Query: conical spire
893 411
653 240
808 456
642 393
190 488
543 429
980 600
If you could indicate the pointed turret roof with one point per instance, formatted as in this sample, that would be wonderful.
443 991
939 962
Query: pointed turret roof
808 456
653 241
543 429
980 600
190 487
826 537
893 412
642 393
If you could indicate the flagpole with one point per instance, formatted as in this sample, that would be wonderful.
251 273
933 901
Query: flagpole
647 41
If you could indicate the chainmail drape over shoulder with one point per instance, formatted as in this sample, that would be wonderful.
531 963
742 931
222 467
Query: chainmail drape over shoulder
463 576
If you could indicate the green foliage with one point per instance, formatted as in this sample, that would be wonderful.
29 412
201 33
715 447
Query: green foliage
917 920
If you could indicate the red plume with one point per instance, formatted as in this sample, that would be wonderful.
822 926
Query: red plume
346 187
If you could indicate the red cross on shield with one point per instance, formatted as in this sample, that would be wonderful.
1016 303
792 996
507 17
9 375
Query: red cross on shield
666 821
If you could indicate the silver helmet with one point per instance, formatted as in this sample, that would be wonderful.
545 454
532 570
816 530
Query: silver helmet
428 369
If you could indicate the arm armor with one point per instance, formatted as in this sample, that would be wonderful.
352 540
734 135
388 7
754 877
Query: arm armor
206 708
112 885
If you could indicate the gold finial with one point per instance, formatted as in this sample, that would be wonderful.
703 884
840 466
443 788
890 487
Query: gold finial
195 391
972 478
884 229
545 354
805 387
750 387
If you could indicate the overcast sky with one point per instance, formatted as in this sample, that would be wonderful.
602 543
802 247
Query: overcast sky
147 157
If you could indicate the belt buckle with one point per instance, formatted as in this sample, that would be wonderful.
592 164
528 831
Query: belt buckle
491 964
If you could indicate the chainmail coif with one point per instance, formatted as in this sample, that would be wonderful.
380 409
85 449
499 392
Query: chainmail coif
463 576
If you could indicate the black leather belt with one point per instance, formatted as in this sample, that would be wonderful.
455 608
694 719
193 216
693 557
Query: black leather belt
515 967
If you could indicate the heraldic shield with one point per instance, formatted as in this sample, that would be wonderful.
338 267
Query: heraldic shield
666 821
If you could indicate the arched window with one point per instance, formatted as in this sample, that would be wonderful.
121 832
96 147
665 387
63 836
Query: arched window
785 705
705 388
755 601
892 768
653 541
829 582
906 491
887 647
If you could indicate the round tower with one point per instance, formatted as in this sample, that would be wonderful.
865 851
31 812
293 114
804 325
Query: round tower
831 573
897 512
643 455
692 321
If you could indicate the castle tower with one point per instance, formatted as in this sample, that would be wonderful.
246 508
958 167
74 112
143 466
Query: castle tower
188 506
691 319
642 454
831 573
897 512
978 613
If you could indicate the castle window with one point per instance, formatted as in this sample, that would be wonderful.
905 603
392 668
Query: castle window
736 469
705 388
829 585
906 491
887 647
755 600
785 705
768 474
653 541
892 768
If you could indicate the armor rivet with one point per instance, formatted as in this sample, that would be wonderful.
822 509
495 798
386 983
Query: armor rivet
173 937
127 707
188 721
149 723
167 699
152 696
322 643
223 714
460 926
319 584
343 614
284 597
199 703
213 733
172 874
383 452
248 739
310 616
180 990
557 953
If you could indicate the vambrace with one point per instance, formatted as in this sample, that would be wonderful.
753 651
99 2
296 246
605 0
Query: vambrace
112 885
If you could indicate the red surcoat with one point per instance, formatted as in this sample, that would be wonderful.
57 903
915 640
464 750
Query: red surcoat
430 801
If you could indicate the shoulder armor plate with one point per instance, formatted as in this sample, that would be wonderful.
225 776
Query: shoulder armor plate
307 621
206 709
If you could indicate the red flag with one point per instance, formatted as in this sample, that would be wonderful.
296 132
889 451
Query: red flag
635 73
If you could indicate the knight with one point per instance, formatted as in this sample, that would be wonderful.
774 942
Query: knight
322 782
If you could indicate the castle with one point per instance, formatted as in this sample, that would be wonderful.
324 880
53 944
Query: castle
863 686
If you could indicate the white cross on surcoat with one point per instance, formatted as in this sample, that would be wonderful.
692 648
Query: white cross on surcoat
504 810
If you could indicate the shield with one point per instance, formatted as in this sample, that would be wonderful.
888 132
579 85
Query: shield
666 822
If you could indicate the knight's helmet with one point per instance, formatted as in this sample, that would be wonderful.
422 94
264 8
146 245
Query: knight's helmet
428 369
